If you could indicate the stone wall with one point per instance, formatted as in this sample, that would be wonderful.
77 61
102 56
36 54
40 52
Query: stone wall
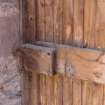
10 39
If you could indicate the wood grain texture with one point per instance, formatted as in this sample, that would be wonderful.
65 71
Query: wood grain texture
89 41
29 20
61 64
92 94
58 13
43 98
76 92
67 21
87 93
77 40
89 96
49 19
99 42
74 54
49 36
58 90
70 61
34 90
89 23
100 24
84 92
29 36
26 88
38 59
67 91
97 94
80 23
57 38
80 66
78 18
41 20
50 90
103 95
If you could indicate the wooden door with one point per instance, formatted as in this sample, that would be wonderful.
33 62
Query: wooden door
78 23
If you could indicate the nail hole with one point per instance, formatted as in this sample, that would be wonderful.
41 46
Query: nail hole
48 53
30 18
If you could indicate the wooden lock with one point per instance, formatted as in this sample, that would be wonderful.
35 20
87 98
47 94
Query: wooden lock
51 59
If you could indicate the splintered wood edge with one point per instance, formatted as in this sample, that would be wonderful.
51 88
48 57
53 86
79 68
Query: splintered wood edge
81 63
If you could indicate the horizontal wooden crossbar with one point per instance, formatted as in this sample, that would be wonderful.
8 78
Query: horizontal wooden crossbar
51 59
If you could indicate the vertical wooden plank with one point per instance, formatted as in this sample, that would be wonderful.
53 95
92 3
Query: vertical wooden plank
26 86
104 95
67 39
92 94
67 91
78 41
42 89
41 36
58 18
89 95
100 24
34 89
67 82
57 38
50 90
89 22
77 92
78 22
49 27
97 94
100 43
58 89
20 6
29 35
84 92
67 21
49 19
89 39
41 20
29 20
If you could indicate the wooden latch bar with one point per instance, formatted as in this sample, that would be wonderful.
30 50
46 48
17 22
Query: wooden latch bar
52 59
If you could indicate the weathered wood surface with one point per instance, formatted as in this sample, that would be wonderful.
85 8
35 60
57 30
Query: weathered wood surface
34 89
75 22
84 64
29 20
57 21
37 58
